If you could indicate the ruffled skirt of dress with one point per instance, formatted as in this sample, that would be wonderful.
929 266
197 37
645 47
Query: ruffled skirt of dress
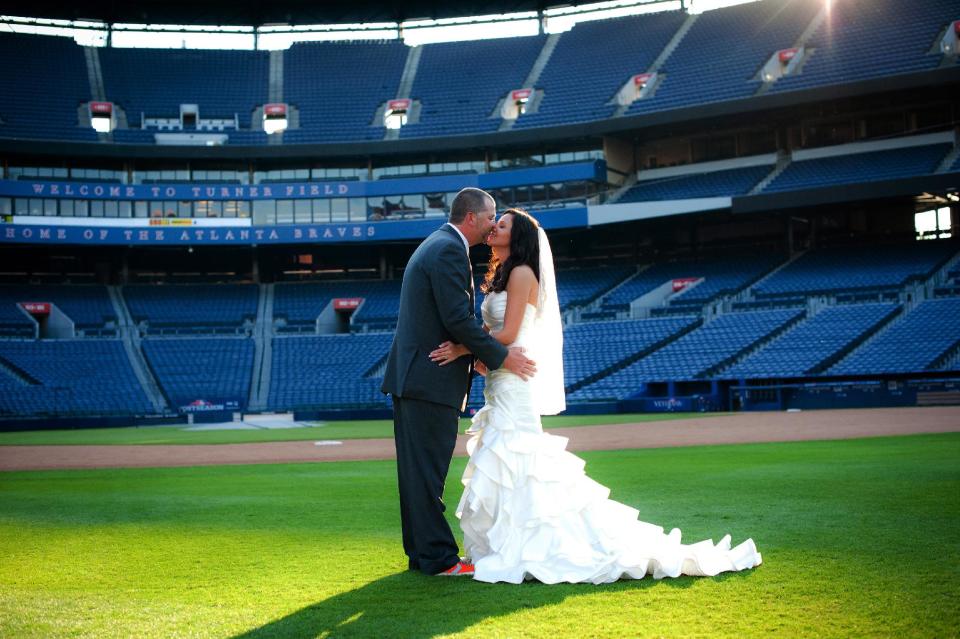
529 511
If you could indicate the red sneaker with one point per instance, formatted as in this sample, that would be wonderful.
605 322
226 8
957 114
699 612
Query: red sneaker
459 569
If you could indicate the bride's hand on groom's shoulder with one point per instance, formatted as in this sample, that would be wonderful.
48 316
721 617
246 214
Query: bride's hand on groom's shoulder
447 352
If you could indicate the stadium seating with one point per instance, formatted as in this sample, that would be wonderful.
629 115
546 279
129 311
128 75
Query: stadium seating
213 369
155 82
717 60
13 323
801 349
594 347
721 276
591 348
692 355
88 306
299 304
327 371
48 109
69 377
192 307
381 303
321 79
848 269
458 102
859 167
714 184
720 55
592 61
951 286
863 40
579 287
913 343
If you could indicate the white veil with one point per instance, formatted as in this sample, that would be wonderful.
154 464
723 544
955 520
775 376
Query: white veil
547 383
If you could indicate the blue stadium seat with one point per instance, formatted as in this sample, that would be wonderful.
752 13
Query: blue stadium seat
859 167
213 369
912 344
323 80
13 322
592 61
579 287
720 55
713 184
155 82
692 355
43 82
327 371
69 377
192 307
454 103
721 276
800 350
863 40
845 269
87 305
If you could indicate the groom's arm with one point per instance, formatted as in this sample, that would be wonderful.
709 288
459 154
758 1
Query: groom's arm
447 277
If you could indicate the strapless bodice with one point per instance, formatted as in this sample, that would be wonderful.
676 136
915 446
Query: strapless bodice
494 308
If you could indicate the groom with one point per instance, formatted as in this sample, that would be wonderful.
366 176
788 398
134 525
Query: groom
436 305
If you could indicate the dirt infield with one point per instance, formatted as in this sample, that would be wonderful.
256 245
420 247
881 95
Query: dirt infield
724 429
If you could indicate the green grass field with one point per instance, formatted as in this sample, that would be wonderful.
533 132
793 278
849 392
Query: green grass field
364 429
859 538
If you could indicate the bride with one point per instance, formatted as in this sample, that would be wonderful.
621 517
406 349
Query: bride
528 511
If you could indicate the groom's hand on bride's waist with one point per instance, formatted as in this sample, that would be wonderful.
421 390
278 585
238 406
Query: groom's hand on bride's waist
519 364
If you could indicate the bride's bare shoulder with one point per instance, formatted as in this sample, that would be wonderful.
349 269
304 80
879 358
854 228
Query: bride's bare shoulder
521 273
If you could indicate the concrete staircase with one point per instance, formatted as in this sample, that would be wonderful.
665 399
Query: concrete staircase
263 350
889 323
940 276
948 161
275 86
746 293
406 84
594 304
801 41
274 92
617 193
665 54
94 73
97 91
130 337
533 76
783 161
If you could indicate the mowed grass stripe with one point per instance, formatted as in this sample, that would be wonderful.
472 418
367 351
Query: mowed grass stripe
361 429
859 538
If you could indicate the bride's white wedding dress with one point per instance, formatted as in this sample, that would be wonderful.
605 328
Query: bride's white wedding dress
528 511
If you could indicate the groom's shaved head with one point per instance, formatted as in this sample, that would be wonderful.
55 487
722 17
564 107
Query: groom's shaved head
469 199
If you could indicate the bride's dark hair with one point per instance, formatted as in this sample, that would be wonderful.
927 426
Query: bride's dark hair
524 249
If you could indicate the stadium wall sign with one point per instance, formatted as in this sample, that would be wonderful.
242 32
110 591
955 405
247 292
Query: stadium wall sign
594 170
93 233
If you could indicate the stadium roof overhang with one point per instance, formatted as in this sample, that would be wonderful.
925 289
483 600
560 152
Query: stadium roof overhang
260 12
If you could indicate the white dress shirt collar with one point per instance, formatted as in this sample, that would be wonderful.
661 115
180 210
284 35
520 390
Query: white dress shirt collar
466 244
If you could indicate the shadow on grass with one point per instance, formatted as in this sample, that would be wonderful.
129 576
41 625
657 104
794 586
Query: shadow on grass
409 604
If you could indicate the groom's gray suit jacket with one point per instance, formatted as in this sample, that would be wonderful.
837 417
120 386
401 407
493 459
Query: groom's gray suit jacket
436 305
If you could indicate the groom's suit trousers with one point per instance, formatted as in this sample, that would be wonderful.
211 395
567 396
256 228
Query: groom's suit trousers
425 434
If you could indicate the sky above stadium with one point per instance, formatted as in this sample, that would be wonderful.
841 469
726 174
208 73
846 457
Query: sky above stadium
413 32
